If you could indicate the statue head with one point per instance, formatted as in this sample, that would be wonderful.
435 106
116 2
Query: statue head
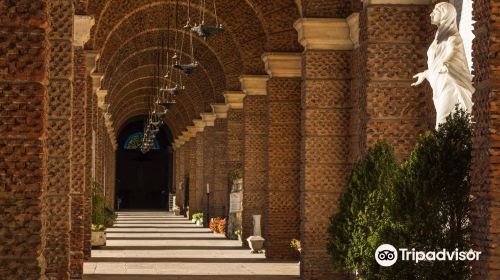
444 16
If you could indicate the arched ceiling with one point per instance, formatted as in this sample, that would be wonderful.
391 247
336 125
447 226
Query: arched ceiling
126 35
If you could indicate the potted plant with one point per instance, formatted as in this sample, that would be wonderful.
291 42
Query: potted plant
98 237
214 225
198 219
295 244
221 227
237 232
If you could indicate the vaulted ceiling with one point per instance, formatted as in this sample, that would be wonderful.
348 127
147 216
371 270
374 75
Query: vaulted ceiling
126 35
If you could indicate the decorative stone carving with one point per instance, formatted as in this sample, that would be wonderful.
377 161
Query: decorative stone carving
234 99
283 65
101 95
192 131
208 118
448 72
96 80
220 110
324 33
81 29
254 84
91 60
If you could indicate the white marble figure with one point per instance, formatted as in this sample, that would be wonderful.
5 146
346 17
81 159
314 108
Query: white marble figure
448 72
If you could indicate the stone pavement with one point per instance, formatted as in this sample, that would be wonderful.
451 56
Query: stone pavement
159 245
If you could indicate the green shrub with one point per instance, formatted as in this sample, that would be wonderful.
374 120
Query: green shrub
198 217
101 213
422 204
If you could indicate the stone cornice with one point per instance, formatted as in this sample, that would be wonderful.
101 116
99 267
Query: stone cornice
101 98
254 84
96 80
397 2
353 22
324 33
200 125
91 59
192 130
234 99
208 118
220 110
283 65
81 29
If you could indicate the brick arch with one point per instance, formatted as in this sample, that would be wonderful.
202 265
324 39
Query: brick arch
193 106
148 56
206 52
142 94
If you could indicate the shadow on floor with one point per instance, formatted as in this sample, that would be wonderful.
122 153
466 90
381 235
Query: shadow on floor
181 260
188 277
120 248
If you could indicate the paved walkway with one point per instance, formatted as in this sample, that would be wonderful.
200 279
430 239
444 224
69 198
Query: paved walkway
159 245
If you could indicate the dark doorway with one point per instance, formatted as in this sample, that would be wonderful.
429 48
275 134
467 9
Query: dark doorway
143 181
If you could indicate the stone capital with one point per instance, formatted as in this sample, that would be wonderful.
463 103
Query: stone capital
324 33
234 99
220 110
254 84
81 29
96 80
91 60
353 22
397 2
283 65
101 98
192 131
200 125
208 118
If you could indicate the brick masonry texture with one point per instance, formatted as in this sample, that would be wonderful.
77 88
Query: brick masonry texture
326 108
234 154
220 169
282 206
208 168
485 174
24 66
254 161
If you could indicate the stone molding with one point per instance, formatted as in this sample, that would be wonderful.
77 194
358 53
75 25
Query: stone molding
91 60
353 22
220 110
254 84
234 99
283 65
81 29
101 98
397 2
192 130
208 118
200 125
96 80
324 33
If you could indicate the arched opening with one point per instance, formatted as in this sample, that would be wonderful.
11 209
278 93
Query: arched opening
143 181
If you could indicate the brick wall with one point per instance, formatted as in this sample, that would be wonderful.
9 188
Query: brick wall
220 194
325 148
282 206
88 171
208 165
201 196
23 127
78 161
255 161
485 173
59 140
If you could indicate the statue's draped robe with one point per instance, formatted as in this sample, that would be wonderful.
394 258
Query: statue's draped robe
453 86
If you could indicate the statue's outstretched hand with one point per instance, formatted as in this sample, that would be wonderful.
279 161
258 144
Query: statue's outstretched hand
420 78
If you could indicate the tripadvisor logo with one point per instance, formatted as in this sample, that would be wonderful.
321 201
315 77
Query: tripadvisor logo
387 255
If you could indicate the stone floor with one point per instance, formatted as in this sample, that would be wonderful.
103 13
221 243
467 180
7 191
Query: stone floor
159 245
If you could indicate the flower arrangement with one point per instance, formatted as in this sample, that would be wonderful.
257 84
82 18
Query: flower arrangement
198 218
295 244
214 225
221 226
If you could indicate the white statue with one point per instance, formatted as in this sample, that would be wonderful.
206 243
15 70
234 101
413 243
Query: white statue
448 72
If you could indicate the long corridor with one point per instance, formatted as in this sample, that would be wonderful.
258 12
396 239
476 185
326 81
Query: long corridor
159 245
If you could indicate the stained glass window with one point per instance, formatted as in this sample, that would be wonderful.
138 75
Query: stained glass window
134 141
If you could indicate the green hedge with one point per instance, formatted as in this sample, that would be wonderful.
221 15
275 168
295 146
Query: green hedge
422 204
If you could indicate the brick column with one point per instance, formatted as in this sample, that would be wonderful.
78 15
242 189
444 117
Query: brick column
193 203
325 135
254 151
394 39
282 211
23 130
201 193
82 25
57 251
220 193
209 158
485 173
234 102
